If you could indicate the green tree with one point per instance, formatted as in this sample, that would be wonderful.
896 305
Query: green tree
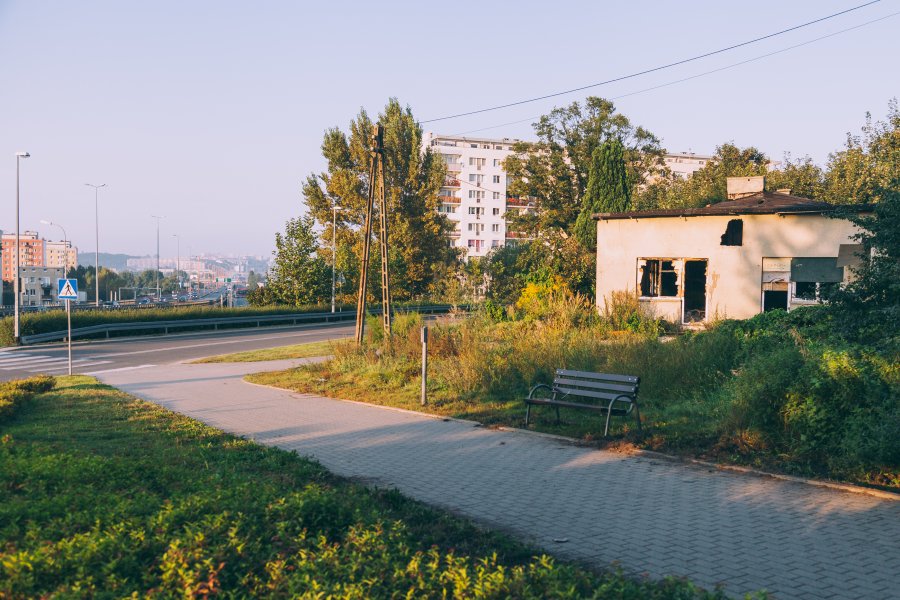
865 169
607 190
871 302
299 276
413 178
555 170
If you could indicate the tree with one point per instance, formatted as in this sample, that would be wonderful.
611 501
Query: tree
299 276
253 280
871 302
413 178
555 170
607 190
865 169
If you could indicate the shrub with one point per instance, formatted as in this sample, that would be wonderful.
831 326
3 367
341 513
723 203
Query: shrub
15 393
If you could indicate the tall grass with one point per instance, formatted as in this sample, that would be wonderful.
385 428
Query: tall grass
778 390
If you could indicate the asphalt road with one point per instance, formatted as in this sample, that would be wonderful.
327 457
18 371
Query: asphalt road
103 356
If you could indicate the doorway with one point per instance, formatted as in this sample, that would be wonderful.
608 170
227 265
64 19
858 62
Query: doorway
694 307
775 299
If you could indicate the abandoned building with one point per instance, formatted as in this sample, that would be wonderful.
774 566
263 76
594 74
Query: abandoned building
757 251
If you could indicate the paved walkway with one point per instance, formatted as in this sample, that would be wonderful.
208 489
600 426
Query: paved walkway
651 516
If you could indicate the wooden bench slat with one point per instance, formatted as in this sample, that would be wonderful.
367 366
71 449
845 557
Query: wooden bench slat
591 394
600 376
595 385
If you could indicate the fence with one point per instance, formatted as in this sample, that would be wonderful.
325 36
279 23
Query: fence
214 323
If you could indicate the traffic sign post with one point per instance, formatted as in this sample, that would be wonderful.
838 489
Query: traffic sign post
67 289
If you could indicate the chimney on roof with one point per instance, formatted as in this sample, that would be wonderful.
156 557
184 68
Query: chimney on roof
741 187
786 191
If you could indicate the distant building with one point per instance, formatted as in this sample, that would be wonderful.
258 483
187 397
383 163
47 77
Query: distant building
474 195
756 252
31 252
38 285
60 254
684 164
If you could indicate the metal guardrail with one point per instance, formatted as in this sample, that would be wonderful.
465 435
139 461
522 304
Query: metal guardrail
6 311
215 323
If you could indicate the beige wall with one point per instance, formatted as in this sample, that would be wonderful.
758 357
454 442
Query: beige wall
734 273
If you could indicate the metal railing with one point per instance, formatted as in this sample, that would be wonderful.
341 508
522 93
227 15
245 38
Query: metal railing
253 321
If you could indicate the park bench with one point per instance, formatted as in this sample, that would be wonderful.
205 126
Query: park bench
601 392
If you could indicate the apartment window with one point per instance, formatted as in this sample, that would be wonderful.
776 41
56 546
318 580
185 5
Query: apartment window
495 227
486 146
496 195
476 178
495 243
473 145
476 210
496 211
498 162
496 179
476 162
476 195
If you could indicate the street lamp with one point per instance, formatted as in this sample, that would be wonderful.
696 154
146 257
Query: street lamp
65 245
157 254
335 208
19 156
97 227
177 260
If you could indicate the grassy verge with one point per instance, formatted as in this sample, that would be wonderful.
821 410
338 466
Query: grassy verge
778 392
307 350
107 496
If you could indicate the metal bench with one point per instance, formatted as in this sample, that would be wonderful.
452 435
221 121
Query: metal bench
602 392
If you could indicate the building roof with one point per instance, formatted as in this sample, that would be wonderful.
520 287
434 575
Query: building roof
762 203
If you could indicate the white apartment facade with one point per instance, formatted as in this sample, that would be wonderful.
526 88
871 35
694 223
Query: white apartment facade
684 164
474 195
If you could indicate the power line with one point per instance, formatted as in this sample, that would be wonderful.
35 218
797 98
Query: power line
652 70
703 74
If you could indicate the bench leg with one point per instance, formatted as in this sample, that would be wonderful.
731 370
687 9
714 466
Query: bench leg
608 415
527 413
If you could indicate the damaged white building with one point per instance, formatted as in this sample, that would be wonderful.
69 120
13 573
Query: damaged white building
757 251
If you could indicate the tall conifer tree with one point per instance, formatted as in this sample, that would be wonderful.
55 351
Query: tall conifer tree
607 189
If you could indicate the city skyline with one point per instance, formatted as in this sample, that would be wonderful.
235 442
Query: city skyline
212 115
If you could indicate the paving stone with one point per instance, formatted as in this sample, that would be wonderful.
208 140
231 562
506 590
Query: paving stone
651 515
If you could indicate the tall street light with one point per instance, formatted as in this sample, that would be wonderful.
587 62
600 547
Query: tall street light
335 210
19 156
97 228
65 245
158 295
177 260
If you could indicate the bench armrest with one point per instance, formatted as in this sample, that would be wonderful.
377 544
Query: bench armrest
536 388
631 400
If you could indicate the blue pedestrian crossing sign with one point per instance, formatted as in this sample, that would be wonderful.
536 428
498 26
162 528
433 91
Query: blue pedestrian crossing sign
67 288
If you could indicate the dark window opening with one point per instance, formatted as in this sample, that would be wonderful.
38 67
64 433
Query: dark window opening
805 290
734 233
659 278
775 300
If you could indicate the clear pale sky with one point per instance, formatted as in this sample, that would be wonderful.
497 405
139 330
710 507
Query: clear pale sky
211 113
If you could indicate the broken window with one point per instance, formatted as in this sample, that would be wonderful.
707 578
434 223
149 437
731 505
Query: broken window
734 233
658 277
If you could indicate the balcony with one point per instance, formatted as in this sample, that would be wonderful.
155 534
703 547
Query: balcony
449 199
515 235
519 203
451 182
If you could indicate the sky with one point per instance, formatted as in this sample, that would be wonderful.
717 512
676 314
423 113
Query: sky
211 113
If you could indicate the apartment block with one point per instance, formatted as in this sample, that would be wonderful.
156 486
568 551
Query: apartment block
31 252
474 195
60 254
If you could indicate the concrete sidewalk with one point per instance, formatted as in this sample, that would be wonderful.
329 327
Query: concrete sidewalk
651 516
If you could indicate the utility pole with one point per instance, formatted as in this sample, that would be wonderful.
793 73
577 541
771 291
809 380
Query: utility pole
158 295
376 188
334 212
178 260
97 230
18 251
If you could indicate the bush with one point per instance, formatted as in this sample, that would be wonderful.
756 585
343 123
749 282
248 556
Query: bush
14 393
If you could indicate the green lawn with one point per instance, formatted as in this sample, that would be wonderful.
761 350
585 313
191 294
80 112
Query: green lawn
105 496
306 350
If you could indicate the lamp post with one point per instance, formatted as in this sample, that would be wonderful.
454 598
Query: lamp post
65 244
157 254
334 212
97 228
19 156
177 260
